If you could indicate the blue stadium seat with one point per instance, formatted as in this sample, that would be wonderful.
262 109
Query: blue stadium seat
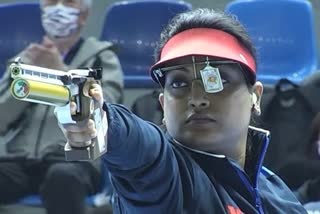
283 32
35 200
134 27
20 24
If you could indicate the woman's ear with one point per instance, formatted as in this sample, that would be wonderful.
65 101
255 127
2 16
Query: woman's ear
161 100
256 97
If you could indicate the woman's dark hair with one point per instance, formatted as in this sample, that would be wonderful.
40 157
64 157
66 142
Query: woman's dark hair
205 18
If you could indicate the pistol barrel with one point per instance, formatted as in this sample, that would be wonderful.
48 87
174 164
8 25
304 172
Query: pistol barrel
40 92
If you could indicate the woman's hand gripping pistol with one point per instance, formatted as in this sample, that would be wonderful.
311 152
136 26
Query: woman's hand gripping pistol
77 97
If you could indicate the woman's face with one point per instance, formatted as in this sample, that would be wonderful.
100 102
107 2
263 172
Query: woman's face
210 122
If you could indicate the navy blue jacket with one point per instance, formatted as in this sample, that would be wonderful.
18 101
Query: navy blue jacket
151 173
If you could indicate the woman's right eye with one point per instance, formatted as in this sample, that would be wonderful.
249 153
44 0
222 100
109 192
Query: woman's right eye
179 84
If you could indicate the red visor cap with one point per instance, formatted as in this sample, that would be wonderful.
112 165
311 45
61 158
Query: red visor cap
206 42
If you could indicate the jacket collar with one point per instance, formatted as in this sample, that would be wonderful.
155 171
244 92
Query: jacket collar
255 154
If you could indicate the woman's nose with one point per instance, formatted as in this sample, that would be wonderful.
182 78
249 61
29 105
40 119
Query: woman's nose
198 97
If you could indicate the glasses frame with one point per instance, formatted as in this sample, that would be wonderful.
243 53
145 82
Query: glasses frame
210 62
160 72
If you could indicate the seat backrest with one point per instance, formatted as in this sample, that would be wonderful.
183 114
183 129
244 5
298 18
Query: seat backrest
134 27
20 25
283 33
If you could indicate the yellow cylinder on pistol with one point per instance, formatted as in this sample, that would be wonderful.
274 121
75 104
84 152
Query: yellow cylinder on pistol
39 92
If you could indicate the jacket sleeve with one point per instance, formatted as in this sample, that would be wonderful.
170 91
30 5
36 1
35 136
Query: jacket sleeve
11 108
112 77
142 163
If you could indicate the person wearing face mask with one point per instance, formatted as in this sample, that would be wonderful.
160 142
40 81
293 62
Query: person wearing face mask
207 158
32 158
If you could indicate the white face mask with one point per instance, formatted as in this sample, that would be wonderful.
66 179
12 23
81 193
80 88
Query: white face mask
60 21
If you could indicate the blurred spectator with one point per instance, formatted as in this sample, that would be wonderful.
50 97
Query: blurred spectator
288 111
302 174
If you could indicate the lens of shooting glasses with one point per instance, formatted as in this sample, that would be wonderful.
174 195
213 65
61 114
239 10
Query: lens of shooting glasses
39 92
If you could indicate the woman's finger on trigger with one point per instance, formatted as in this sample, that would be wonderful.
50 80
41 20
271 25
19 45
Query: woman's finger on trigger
96 93
96 88
73 108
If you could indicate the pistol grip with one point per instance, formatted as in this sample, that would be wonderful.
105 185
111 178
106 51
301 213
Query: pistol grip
97 146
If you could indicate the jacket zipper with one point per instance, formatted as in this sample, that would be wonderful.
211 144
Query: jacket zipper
253 191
